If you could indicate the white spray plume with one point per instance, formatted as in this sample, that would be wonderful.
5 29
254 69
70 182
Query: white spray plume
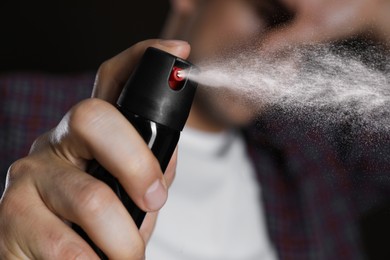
314 79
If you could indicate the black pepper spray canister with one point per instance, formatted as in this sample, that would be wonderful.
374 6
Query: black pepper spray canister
157 101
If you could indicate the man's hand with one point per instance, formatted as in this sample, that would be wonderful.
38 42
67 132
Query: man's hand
50 188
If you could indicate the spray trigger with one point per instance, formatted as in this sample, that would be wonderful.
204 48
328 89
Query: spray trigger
176 78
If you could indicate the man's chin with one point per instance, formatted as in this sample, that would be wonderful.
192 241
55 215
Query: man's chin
225 111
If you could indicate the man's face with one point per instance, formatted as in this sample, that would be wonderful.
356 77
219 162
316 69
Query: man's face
218 28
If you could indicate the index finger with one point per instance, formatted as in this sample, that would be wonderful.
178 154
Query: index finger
114 73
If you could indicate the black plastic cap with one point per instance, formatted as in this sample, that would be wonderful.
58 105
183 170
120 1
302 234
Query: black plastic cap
148 94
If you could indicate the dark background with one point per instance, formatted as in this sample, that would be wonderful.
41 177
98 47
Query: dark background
71 35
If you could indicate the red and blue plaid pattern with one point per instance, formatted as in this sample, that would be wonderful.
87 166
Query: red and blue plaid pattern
31 104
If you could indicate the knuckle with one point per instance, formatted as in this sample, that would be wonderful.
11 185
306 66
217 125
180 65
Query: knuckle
105 69
87 114
104 66
87 109
94 199
19 168
40 143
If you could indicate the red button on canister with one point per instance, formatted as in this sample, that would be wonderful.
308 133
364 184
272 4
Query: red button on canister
176 79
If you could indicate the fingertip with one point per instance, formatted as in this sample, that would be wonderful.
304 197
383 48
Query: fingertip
156 195
175 47
172 43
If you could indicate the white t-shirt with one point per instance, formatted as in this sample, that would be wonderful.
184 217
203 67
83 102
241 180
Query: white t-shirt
214 207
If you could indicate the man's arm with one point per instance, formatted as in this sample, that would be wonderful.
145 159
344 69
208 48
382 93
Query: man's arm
50 188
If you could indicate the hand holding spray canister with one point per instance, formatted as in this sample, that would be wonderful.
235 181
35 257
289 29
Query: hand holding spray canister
156 100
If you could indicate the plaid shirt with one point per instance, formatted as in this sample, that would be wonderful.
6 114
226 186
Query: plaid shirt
32 104
317 183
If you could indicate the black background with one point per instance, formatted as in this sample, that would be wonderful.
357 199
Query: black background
71 36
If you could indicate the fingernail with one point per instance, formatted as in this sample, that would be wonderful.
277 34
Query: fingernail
155 196
172 43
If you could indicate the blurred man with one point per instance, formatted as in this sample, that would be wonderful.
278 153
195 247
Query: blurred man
226 221
275 190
